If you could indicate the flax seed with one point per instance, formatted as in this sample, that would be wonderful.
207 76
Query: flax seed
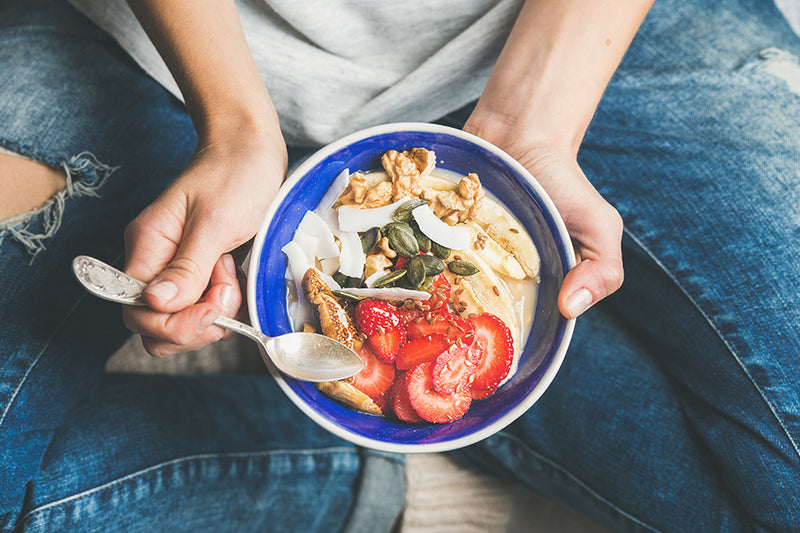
496 290
513 230
459 291
381 331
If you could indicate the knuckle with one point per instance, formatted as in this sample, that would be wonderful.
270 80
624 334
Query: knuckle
156 348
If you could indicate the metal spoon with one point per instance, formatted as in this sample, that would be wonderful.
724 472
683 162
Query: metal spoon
304 356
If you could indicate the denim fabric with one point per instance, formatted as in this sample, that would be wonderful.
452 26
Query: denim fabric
677 407
85 451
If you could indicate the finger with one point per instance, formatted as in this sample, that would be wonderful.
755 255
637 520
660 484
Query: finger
190 328
185 278
152 238
588 283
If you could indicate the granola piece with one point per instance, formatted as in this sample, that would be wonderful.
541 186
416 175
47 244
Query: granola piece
376 263
350 396
334 320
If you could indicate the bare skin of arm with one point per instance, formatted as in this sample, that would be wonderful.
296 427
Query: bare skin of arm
179 243
537 105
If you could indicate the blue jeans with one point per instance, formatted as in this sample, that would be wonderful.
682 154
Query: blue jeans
677 408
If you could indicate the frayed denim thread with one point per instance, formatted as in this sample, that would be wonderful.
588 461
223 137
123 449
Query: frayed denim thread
85 174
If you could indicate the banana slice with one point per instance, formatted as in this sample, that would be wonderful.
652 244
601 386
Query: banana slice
484 292
509 234
344 392
495 255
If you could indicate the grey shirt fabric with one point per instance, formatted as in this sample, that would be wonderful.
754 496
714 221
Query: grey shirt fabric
335 66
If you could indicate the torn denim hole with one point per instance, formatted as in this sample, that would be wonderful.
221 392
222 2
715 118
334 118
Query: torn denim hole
85 174
778 63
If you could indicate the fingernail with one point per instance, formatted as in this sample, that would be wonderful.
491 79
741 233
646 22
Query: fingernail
206 320
226 300
163 290
229 264
579 301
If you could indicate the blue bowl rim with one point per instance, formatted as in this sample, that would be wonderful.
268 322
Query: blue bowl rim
563 240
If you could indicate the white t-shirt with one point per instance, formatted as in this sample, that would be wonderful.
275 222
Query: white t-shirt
336 66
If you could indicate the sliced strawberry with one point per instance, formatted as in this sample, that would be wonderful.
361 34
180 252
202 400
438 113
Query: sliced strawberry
376 376
482 394
386 344
445 324
454 369
384 400
401 404
420 350
376 316
440 293
431 405
407 315
495 349
400 262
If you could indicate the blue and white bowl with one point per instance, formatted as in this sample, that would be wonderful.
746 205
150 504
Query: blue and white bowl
502 176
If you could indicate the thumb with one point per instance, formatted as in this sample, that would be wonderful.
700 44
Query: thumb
185 278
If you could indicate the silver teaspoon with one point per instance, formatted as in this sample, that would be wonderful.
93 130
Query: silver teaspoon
304 356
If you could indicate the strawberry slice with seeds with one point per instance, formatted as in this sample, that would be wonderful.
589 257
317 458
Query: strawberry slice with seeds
376 377
376 316
386 344
495 349
482 394
454 369
431 405
401 404
420 350
440 293
446 324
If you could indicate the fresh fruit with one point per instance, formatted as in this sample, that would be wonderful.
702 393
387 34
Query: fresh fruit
482 394
376 376
440 293
420 350
386 344
376 316
431 405
444 324
454 369
495 350
401 404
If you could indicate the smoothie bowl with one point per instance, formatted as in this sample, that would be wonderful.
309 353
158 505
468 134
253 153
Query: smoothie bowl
438 259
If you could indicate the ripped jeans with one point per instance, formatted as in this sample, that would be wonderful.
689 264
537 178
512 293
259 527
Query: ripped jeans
677 407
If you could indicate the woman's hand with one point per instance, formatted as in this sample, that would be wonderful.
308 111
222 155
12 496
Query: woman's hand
179 243
537 105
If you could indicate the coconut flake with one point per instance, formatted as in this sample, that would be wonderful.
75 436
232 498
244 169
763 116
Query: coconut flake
329 265
375 276
355 219
314 226
453 237
298 262
325 208
329 281
389 293
352 257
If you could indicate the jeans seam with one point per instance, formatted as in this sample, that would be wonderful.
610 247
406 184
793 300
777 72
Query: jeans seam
180 460
731 350
530 451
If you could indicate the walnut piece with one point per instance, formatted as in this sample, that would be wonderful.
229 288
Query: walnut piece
356 190
379 196
461 204
402 169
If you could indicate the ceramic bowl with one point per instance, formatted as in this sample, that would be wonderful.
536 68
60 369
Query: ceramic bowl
508 181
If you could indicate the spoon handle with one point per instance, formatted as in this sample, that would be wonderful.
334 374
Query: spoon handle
108 283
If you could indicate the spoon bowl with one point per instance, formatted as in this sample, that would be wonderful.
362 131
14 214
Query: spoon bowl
303 356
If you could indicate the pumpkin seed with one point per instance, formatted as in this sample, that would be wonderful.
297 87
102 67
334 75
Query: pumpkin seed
401 239
403 213
348 296
391 277
339 278
422 240
426 283
415 271
433 265
460 267
354 283
442 252
369 239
